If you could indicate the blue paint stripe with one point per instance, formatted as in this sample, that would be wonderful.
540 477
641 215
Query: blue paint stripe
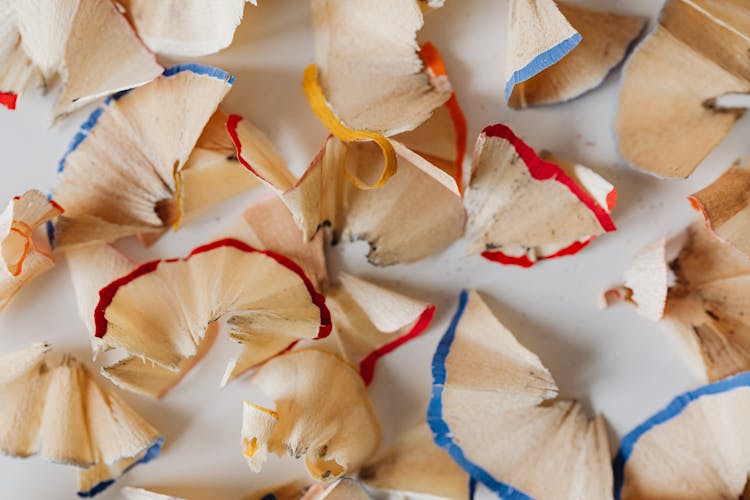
50 229
672 410
50 233
95 115
93 118
541 62
96 489
200 69
81 135
440 428
117 96
150 454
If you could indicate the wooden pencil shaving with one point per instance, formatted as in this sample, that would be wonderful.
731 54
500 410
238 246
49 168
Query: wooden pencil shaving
179 28
41 40
268 224
523 209
368 83
416 214
59 412
92 267
558 51
148 160
370 320
24 254
160 152
334 435
708 305
378 83
665 457
415 465
269 302
725 205
700 285
441 139
646 283
668 119
489 389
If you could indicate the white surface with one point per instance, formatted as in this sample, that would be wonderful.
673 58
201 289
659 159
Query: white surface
615 361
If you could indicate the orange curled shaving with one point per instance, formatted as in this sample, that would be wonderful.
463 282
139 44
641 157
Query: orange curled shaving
319 105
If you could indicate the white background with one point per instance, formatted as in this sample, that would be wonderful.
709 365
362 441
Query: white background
614 361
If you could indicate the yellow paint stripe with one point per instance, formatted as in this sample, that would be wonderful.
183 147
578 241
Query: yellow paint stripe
320 106
251 448
264 410
178 197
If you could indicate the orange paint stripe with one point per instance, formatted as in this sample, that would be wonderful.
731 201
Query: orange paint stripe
25 232
431 58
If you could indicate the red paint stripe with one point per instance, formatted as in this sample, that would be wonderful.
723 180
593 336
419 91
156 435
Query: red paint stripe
232 122
57 206
525 262
544 170
8 99
431 57
107 294
698 206
500 257
571 249
611 200
367 365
